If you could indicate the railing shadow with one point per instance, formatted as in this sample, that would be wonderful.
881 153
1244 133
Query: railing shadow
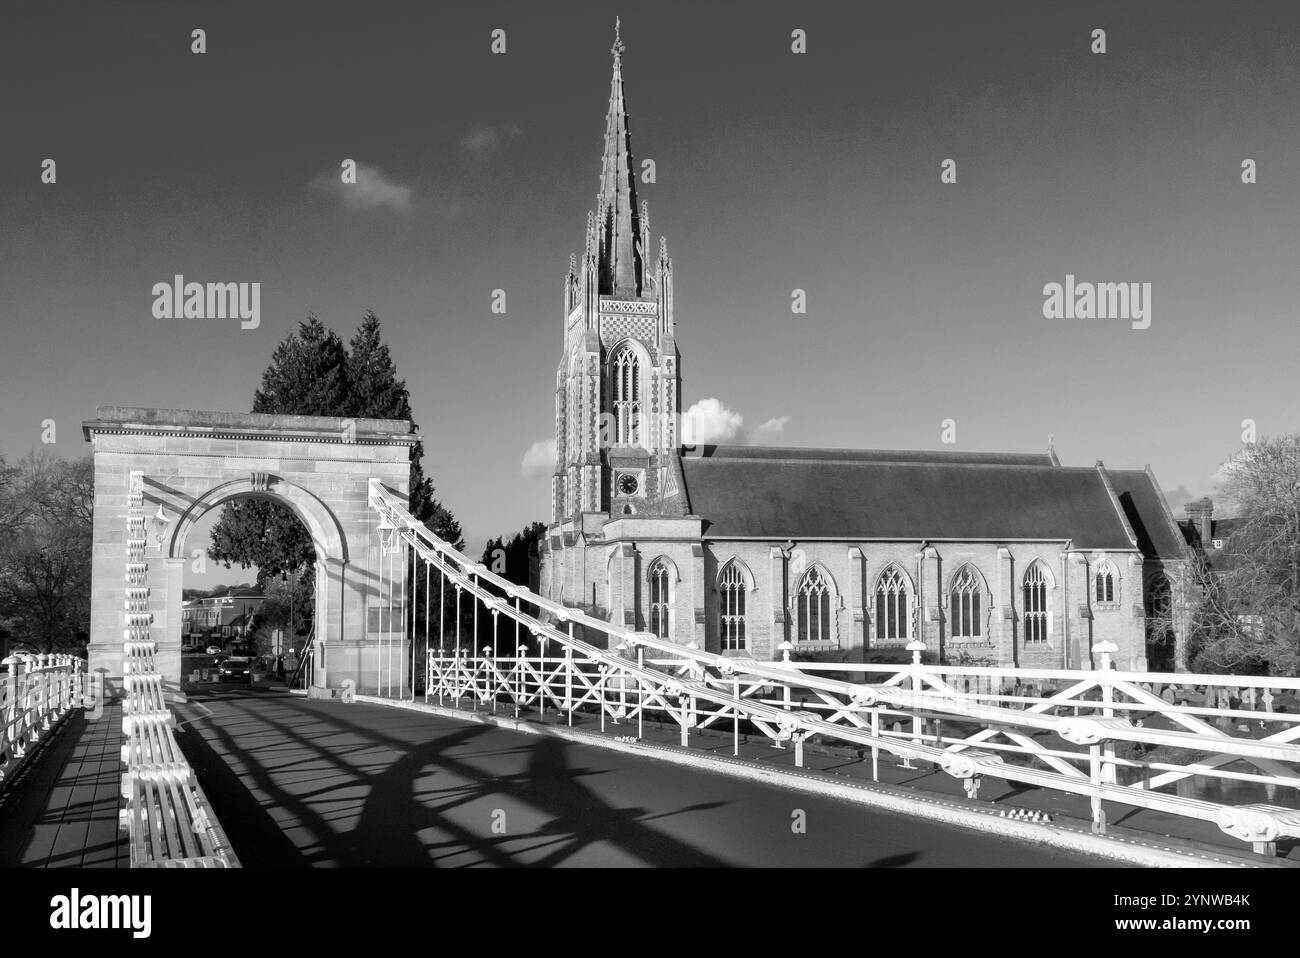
390 803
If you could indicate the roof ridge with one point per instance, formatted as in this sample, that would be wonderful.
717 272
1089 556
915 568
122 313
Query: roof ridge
901 462
1115 503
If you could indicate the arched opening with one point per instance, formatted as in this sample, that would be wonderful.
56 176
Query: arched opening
1158 605
628 368
965 605
893 607
813 607
251 589
1037 625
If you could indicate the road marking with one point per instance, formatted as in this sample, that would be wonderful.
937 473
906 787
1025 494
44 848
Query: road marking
207 713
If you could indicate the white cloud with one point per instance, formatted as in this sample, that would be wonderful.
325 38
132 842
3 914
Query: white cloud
372 190
772 427
539 460
709 421
485 139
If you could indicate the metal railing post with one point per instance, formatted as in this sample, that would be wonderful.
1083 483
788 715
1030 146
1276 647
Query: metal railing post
916 647
602 669
568 677
735 724
520 651
1101 765
640 693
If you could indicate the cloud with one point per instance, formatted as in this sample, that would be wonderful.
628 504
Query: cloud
772 427
539 460
485 139
709 421
372 190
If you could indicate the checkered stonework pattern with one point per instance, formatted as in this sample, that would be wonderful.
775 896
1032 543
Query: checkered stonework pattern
616 328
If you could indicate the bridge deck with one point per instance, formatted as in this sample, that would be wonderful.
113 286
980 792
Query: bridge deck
61 811
298 782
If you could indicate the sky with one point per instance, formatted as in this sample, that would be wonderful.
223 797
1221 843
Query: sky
774 171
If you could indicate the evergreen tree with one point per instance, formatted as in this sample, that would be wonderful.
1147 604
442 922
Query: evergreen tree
308 375
377 393
312 373
512 559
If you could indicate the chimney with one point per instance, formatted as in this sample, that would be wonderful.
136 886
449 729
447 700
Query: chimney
1200 513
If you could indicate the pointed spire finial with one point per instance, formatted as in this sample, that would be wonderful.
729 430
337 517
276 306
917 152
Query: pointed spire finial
617 48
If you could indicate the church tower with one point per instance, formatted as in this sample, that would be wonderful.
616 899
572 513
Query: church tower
617 387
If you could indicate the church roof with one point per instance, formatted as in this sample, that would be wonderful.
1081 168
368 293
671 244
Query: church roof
876 455
786 493
1157 532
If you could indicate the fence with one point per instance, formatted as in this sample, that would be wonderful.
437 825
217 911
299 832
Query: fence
1108 735
38 693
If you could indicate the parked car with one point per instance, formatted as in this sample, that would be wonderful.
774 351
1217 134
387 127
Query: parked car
237 668
215 650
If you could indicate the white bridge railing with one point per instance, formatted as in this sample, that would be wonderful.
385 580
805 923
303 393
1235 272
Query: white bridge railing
1127 738
37 693
168 820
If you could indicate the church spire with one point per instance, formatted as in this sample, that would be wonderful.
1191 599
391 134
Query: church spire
622 270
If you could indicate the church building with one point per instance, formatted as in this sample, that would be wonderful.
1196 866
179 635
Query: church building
831 554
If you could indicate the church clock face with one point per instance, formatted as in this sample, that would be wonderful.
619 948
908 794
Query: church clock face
628 484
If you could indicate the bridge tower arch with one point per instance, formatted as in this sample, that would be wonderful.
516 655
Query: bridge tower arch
317 466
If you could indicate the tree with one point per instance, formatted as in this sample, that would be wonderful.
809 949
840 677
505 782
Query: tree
45 553
375 392
286 605
263 534
307 377
312 373
1248 616
308 374
513 559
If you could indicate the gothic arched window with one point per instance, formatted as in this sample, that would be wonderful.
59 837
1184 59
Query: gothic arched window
626 371
1035 604
814 608
659 602
892 620
731 609
1104 583
964 605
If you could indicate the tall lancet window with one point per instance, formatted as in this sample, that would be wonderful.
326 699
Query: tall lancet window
1105 583
659 601
814 601
731 609
1035 604
964 605
626 369
891 606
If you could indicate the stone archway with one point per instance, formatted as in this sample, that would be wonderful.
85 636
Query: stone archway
317 466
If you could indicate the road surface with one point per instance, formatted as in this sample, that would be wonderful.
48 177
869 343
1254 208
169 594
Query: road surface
298 782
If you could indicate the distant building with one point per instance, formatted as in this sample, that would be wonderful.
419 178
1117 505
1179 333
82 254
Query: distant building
1204 533
222 616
